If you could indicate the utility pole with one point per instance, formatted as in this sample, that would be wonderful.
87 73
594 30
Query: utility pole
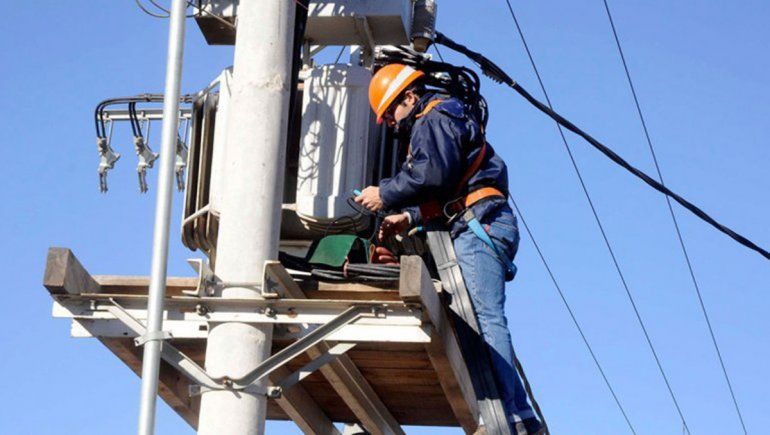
252 189
154 336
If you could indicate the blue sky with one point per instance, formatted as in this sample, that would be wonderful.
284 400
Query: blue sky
701 73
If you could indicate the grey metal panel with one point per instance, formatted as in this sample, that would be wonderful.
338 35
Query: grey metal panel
329 22
468 333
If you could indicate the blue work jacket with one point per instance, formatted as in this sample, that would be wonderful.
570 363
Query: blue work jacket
443 144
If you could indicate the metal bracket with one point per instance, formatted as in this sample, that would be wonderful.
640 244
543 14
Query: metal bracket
152 336
277 283
197 390
207 281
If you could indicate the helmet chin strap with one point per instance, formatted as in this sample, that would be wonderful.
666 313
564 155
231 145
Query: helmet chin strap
403 128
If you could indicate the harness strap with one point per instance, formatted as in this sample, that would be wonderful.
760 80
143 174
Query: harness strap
478 230
472 169
433 209
429 107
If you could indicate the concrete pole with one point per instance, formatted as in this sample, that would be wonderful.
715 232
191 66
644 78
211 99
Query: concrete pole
152 347
251 204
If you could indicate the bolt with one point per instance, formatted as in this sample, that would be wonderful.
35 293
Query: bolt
201 309
270 312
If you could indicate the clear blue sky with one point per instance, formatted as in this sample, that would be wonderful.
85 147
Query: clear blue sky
701 70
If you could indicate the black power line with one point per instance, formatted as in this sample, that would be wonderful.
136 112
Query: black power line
497 74
572 314
598 222
673 216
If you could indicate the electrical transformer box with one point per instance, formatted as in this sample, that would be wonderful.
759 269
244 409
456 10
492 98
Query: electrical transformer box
334 155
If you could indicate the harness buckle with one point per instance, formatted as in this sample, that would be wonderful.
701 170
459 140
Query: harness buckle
454 208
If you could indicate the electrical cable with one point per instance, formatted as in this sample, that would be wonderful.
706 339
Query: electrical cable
339 55
301 4
157 5
378 216
600 225
189 4
495 73
571 314
459 81
99 121
136 126
435 47
673 216
148 12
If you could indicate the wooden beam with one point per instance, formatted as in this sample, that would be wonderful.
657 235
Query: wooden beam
301 408
127 284
64 274
416 285
173 387
348 381
139 285
345 378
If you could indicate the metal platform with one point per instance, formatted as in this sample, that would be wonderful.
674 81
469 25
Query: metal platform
397 362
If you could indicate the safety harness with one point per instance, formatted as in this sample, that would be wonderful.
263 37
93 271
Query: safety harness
461 205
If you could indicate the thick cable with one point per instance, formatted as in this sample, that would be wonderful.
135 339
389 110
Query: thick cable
136 127
495 73
673 216
599 223
149 98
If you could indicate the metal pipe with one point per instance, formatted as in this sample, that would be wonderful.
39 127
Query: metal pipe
152 348
250 211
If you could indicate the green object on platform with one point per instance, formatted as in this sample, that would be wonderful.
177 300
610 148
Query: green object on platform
334 250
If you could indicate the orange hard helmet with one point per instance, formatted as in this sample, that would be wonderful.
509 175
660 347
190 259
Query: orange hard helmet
388 83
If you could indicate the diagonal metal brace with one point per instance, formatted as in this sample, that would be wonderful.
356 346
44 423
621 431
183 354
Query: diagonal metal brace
284 384
303 344
169 353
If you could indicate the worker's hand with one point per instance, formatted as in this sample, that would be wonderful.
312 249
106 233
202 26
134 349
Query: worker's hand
383 255
393 224
370 198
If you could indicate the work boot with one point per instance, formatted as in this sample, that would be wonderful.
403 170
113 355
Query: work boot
529 426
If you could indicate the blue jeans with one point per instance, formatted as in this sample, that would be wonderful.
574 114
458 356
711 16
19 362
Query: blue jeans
484 275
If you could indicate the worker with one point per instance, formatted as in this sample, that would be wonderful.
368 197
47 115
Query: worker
452 173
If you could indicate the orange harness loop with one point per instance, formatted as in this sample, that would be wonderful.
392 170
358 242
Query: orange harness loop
428 108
